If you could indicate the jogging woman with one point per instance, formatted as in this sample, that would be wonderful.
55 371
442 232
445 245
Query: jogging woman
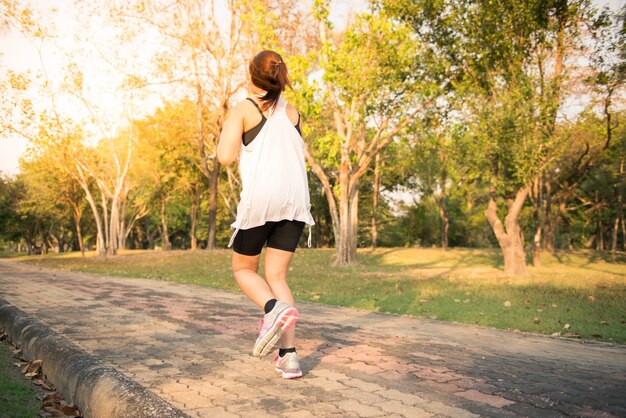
264 132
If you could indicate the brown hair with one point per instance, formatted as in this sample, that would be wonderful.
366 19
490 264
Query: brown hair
268 72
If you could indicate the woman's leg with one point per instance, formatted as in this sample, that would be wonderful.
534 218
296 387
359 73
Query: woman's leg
276 267
245 269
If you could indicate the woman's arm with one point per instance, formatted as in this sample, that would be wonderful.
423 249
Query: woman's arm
230 139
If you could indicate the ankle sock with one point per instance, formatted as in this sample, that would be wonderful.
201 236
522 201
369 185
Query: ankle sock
283 351
269 305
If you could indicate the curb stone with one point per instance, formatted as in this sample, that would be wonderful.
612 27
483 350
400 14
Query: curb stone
99 391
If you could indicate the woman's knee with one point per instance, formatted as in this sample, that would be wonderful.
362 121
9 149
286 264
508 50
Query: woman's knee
244 262
276 275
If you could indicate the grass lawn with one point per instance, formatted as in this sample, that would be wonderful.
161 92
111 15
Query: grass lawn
17 397
577 294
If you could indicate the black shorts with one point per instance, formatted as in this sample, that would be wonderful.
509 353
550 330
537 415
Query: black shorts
282 235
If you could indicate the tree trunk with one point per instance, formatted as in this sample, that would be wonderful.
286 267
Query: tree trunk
100 238
78 214
620 210
537 208
114 225
213 190
441 199
122 231
599 235
376 191
445 223
441 203
105 222
623 232
510 240
194 217
354 221
328 192
549 224
165 238
345 249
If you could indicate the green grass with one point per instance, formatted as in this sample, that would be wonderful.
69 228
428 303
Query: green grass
583 289
17 397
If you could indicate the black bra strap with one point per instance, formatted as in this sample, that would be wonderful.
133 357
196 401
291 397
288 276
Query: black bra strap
256 105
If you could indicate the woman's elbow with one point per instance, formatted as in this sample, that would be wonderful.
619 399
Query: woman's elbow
224 157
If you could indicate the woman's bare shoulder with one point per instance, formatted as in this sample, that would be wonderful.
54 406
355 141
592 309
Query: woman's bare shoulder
243 106
292 113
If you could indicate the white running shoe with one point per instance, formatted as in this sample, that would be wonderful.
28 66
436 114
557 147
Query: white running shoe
272 327
289 366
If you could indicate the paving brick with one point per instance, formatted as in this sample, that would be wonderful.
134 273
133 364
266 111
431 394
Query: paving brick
593 413
192 399
217 412
395 376
426 356
359 409
436 376
359 366
524 409
495 401
329 374
363 385
405 398
325 384
334 360
404 410
208 390
447 388
367 398
299 413
173 387
439 408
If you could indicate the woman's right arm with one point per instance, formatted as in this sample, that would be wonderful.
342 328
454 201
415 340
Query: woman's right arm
230 139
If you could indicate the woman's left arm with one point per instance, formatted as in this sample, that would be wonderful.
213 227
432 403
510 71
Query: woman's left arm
230 139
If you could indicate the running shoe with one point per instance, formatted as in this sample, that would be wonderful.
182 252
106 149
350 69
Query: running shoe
289 366
272 327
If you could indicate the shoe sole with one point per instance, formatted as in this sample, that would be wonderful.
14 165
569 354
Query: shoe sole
288 375
287 319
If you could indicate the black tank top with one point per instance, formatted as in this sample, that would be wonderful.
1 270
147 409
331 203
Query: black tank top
249 136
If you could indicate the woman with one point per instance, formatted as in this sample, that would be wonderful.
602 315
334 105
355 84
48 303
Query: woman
264 132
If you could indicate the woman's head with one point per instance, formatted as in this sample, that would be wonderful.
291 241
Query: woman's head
269 72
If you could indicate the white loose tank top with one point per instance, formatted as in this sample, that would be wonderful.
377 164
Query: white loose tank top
273 176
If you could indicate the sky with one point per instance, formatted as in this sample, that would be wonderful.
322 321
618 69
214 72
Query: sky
19 54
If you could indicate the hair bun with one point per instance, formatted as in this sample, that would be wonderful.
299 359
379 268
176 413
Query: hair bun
267 73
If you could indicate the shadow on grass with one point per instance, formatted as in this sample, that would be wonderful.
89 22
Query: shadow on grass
587 258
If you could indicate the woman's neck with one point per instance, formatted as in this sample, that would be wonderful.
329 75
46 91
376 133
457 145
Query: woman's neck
257 91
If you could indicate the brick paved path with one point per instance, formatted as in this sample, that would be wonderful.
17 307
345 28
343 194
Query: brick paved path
191 345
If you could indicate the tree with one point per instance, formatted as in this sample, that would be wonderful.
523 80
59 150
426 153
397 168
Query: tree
436 162
170 163
11 227
372 90
48 128
509 59
55 197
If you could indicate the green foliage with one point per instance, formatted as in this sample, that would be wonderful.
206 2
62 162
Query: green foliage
11 192
169 169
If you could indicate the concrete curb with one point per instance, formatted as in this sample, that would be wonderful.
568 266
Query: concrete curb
99 391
